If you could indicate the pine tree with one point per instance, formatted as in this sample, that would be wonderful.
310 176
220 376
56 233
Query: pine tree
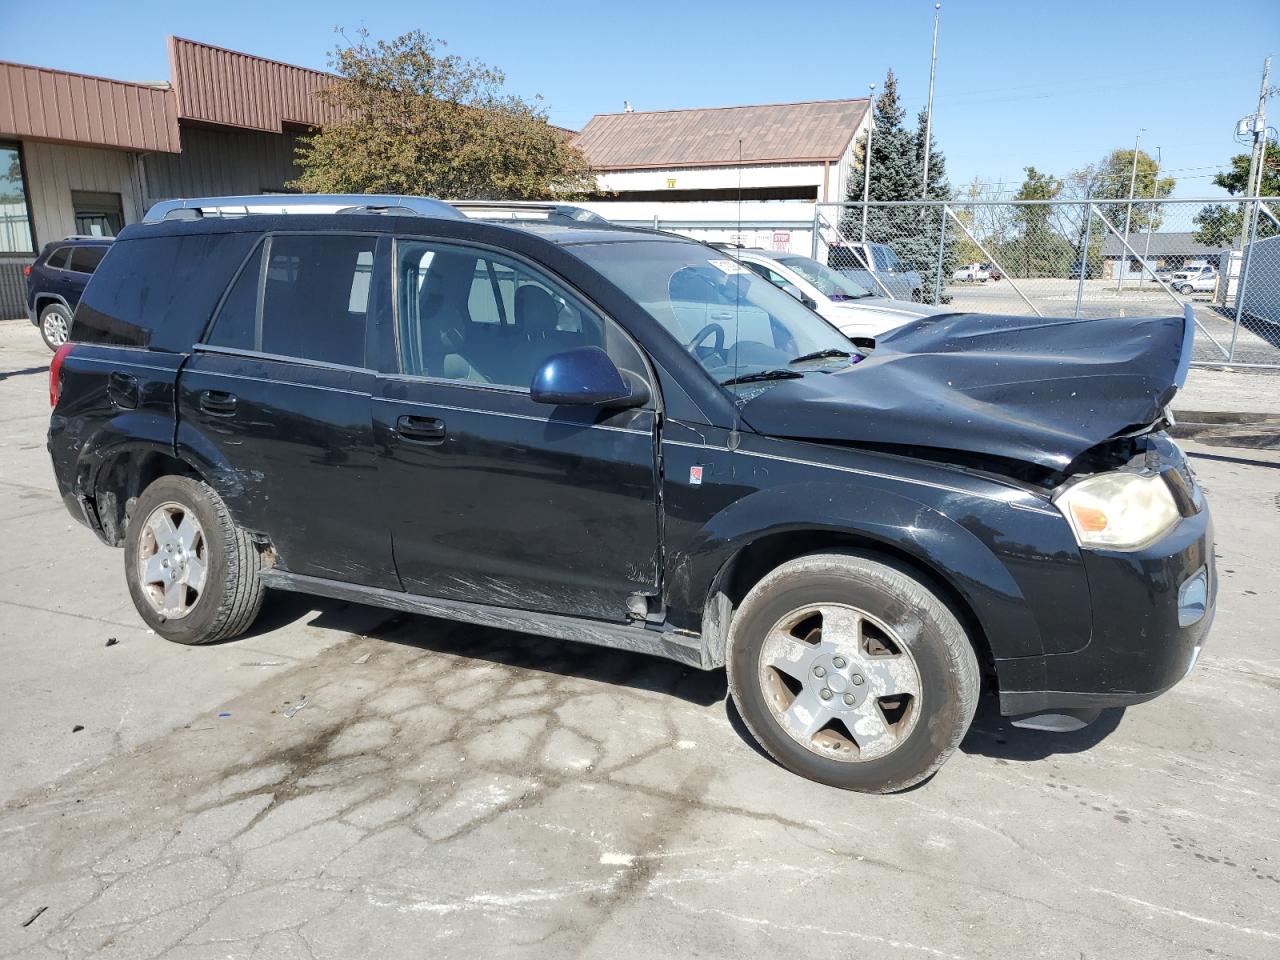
897 168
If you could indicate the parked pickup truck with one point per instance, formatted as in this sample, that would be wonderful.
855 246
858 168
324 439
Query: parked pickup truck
972 273
876 266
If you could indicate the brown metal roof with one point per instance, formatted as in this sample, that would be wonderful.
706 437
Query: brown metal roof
770 133
231 89
75 108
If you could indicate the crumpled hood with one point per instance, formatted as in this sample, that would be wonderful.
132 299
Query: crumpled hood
1037 390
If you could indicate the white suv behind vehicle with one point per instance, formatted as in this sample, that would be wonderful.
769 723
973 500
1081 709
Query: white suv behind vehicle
1195 278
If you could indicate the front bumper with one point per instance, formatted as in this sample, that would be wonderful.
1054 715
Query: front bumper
1150 620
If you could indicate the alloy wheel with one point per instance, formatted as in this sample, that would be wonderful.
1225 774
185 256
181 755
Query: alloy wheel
172 560
840 682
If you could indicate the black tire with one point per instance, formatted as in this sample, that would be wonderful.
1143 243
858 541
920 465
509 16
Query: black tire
55 325
1186 289
943 656
232 592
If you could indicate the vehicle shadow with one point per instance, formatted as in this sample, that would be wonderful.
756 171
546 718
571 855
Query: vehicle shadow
992 735
564 658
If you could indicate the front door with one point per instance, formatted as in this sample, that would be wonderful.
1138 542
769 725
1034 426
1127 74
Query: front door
493 498
277 403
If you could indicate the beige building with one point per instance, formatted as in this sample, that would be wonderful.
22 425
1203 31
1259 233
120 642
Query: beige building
782 151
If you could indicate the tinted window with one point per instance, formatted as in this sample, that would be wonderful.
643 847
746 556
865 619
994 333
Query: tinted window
158 291
314 294
237 322
58 259
86 259
484 318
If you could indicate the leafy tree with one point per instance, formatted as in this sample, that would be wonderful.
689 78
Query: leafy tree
1235 178
1110 180
897 159
416 121
1039 249
1220 225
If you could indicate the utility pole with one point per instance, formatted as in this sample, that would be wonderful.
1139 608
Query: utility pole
928 113
866 156
1128 211
1254 185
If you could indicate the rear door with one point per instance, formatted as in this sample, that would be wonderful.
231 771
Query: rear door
492 498
276 403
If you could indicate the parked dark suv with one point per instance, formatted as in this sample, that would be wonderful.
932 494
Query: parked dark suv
625 438
56 280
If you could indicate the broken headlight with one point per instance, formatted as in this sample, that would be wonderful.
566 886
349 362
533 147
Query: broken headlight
1118 511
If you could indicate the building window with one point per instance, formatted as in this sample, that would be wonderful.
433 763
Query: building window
97 214
15 212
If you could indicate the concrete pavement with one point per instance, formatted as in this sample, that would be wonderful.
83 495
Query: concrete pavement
450 791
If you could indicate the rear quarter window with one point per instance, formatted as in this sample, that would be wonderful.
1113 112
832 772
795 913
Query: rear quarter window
158 292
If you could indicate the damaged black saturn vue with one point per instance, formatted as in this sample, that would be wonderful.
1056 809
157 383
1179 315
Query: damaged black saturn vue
626 438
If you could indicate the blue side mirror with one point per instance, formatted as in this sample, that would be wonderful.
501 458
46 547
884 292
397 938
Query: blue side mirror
586 377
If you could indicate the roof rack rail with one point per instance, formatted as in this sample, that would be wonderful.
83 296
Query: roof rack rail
527 210
197 208
86 236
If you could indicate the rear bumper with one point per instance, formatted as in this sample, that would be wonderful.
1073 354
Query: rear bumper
1152 610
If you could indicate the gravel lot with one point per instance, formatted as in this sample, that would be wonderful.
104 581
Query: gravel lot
452 791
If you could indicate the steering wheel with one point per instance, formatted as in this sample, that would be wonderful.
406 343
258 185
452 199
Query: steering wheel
710 328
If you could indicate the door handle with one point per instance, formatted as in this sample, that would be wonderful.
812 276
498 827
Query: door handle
219 403
122 389
421 429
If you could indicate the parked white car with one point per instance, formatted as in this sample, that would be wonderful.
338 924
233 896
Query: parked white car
972 273
850 308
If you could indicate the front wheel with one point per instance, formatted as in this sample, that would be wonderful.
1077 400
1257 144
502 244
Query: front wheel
850 671
55 325
192 572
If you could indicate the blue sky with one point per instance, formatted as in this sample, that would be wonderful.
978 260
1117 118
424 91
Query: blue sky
1054 85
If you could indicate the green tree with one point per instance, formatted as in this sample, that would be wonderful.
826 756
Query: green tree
1038 249
1220 225
1235 178
413 120
1110 181
897 160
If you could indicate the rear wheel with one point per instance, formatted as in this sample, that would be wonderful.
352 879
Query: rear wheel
192 573
851 672
55 325
1186 289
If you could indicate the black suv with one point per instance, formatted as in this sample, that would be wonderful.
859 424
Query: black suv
56 280
626 438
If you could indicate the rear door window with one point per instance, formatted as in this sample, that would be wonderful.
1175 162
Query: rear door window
86 259
309 299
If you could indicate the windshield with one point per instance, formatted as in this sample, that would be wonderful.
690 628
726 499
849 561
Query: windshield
735 323
834 286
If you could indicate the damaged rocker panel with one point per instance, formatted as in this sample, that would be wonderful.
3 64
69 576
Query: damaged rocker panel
662 642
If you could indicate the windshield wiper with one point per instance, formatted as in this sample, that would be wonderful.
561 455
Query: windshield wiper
821 355
762 375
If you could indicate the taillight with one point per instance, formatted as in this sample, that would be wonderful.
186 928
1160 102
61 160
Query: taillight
55 372
26 269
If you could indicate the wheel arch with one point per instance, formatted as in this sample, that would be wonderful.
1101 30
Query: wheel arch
728 560
120 476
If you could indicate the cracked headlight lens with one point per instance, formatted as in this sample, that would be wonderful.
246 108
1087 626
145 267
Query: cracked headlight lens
1118 511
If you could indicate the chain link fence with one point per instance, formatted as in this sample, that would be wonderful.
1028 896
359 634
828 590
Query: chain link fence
1076 259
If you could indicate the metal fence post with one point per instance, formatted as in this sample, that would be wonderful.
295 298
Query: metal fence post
817 216
1084 254
942 243
1244 280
